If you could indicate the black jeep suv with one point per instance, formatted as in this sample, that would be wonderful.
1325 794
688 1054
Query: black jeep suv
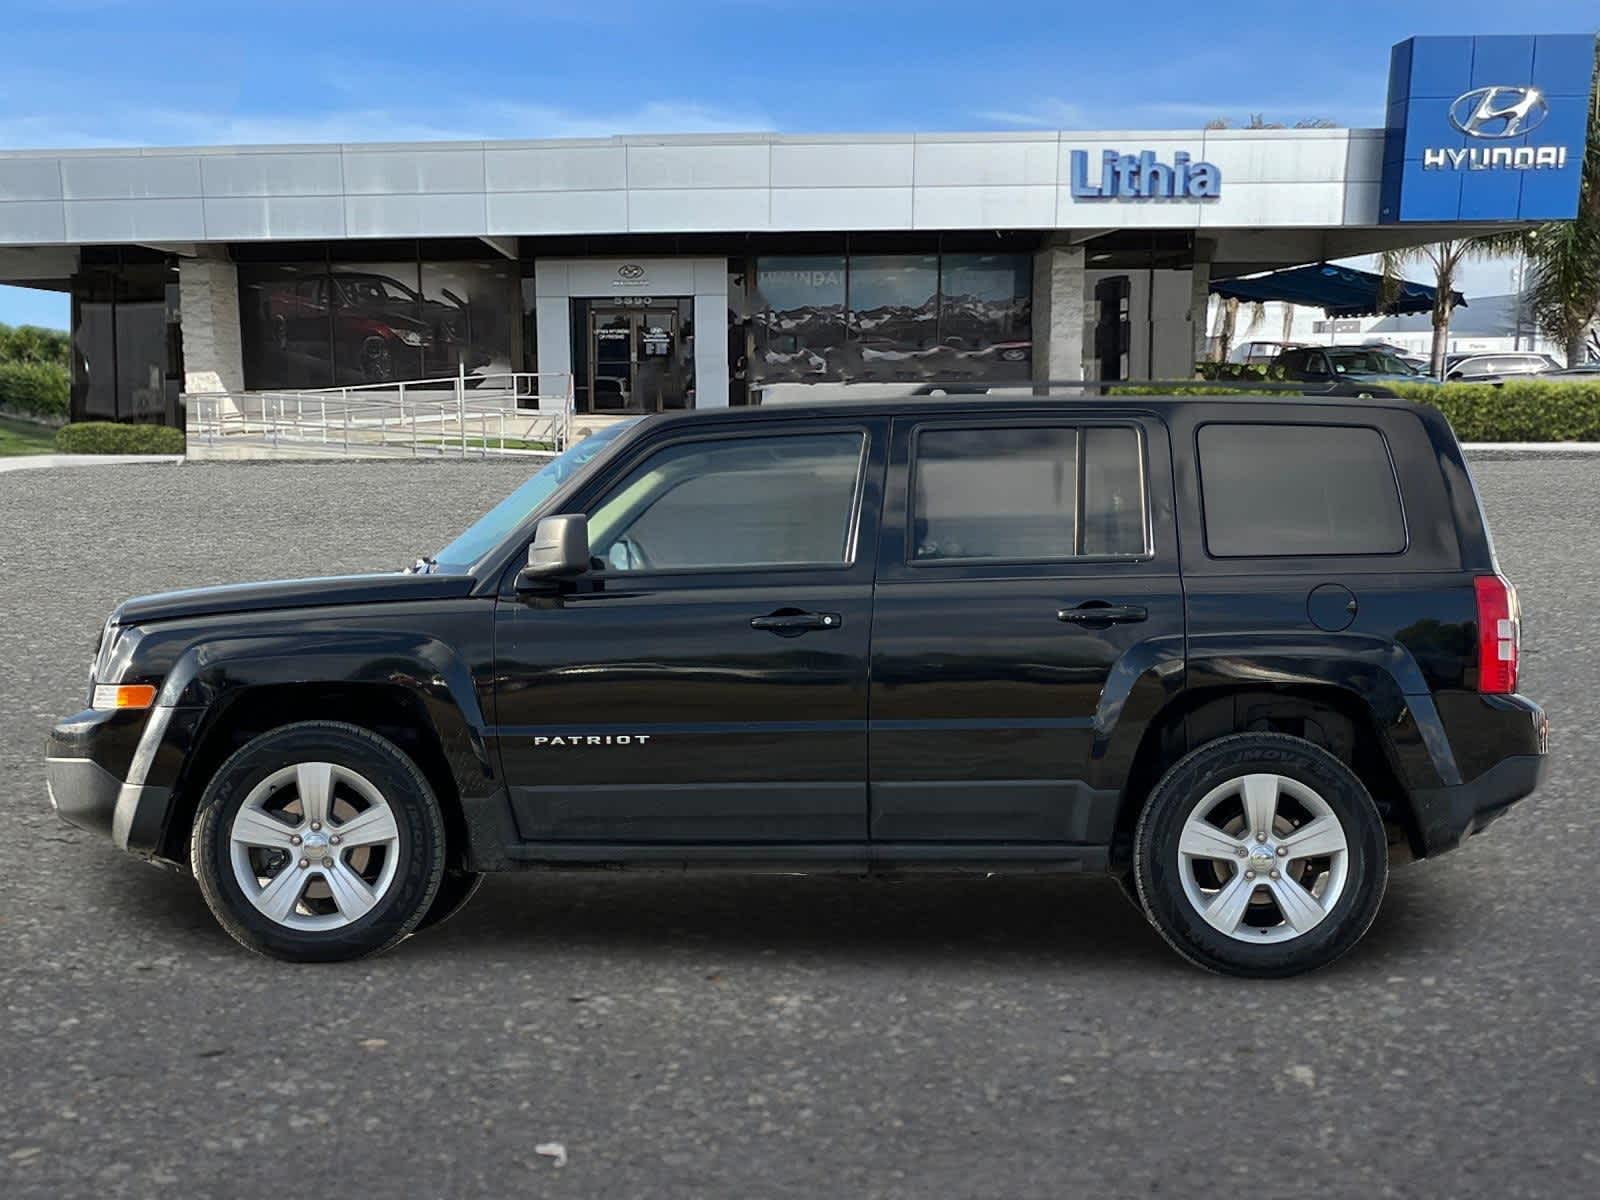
1235 652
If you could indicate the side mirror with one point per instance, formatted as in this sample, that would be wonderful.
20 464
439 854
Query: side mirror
560 550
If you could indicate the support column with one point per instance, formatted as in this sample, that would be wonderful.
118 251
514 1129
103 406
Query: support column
711 333
208 297
1200 298
1058 312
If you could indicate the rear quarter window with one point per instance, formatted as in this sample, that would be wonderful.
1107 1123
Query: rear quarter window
1278 490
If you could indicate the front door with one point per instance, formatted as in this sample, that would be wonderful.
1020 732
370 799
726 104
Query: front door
707 682
1027 592
635 361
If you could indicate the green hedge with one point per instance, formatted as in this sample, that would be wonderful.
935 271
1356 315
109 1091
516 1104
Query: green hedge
1533 410
1229 370
34 389
108 437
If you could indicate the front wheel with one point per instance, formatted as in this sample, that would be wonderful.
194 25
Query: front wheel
1260 855
318 841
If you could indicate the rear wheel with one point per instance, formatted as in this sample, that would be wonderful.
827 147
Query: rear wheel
318 841
1260 855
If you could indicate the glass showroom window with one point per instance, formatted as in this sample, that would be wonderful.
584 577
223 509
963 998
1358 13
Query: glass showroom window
894 316
799 318
826 318
985 315
311 325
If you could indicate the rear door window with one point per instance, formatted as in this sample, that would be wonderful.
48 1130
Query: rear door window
1027 494
1273 490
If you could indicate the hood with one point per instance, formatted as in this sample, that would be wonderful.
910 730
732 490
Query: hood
291 593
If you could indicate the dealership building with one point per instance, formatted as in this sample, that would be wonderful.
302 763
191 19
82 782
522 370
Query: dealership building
708 270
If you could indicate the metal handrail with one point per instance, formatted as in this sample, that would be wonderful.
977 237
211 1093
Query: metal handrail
400 416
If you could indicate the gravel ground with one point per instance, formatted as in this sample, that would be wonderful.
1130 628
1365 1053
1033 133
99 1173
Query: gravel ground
714 1035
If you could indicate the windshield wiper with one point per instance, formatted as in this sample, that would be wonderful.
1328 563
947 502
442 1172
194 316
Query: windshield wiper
423 566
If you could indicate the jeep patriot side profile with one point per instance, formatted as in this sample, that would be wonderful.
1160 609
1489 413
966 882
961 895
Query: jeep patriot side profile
1233 651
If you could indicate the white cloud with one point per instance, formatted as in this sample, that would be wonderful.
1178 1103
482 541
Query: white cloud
1045 113
461 119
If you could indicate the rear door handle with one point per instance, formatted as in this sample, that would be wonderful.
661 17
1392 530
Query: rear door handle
791 623
1095 613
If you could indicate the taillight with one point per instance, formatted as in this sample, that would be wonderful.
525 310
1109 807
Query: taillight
1499 635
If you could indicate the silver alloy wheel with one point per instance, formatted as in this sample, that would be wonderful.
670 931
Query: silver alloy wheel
314 846
1258 869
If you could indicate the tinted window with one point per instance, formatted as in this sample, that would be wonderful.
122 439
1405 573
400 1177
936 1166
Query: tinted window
1113 493
1298 489
1014 494
1516 364
782 500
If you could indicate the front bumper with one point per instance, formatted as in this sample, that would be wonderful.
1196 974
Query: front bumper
111 774
83 793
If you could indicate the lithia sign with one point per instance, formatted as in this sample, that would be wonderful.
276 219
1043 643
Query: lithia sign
1144 177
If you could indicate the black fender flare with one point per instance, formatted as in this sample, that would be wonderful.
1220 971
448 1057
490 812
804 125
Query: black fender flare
1379 677
208 676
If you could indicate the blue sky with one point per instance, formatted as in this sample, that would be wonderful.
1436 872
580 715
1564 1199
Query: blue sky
108 72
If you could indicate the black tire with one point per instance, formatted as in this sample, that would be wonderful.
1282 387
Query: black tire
1157 863
455 889
421 842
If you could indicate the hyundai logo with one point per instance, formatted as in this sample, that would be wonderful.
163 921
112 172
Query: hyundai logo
630 271
1499 112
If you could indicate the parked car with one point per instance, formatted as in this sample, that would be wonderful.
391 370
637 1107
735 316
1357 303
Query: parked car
1589 370
1232 651
381 329
1346 370
1259 353
1490 367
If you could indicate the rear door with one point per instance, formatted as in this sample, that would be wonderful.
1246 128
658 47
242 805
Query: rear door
1027 581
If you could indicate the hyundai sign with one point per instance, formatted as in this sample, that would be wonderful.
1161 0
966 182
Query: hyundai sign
1486 128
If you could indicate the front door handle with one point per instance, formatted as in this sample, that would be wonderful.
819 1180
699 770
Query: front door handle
1097 612
790 623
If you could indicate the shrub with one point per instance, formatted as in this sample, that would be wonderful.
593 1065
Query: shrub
1532 410
1229 370
34 389
108 437
33 344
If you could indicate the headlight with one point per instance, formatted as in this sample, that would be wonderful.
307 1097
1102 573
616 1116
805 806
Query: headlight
410 337
113 664
122 695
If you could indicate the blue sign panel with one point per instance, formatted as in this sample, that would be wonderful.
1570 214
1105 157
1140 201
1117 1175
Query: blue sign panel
1486 128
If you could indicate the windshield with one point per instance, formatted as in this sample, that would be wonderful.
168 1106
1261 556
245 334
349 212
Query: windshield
1370 362
489 530
374 290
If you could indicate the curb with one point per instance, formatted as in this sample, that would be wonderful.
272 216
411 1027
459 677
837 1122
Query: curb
1491 451
25 462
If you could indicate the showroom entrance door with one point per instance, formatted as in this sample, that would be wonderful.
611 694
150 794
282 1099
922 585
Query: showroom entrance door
636 362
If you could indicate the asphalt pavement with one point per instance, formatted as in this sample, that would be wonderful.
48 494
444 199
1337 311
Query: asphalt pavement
762 1036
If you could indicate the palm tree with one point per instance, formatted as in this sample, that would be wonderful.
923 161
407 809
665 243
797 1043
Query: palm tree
1227 322
1564 256
1445 258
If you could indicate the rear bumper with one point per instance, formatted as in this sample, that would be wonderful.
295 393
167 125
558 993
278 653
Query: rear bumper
1447 816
